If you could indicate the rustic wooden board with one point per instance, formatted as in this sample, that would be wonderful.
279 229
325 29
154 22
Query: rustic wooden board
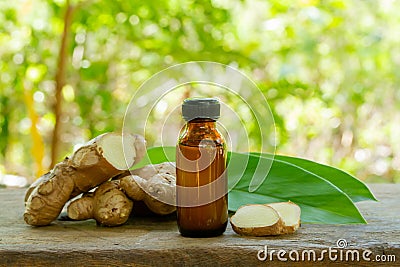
155 242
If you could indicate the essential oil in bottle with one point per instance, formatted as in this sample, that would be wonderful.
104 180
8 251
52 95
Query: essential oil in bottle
201 177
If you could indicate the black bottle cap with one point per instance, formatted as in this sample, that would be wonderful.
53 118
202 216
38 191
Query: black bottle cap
200 108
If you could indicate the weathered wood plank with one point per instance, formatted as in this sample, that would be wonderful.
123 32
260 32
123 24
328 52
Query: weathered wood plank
149 241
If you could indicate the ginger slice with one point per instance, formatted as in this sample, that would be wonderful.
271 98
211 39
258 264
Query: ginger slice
290 214
257 220
268 219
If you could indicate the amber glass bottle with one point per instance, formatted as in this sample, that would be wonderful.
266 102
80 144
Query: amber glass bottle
201 176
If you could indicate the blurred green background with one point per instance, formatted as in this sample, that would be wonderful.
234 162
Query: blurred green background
329 69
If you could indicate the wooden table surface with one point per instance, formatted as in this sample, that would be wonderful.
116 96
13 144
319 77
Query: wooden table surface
155 242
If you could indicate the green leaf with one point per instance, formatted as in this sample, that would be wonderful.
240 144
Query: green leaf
321 201
354 188
157 155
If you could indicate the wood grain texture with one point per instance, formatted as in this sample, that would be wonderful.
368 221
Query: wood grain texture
154 242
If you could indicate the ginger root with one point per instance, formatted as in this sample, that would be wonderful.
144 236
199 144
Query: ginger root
155 185
108 205
269 219
94 163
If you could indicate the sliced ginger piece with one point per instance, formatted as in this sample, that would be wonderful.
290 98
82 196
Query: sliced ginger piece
257 220
290 214
279 218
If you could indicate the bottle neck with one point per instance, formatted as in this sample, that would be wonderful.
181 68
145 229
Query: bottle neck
200 129
205 124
